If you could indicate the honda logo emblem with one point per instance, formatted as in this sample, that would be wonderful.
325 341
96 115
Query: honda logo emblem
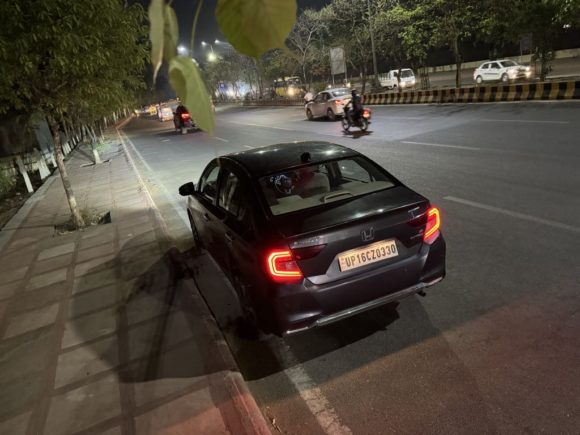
367 235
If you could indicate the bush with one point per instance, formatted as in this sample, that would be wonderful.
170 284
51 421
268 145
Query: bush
7 183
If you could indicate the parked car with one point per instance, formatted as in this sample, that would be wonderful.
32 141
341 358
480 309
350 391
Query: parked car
311 233
390 80
329 103
504 70
182 120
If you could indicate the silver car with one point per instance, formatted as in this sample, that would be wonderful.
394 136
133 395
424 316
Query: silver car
329 103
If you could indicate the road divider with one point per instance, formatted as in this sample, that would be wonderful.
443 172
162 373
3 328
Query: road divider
562 90
567 90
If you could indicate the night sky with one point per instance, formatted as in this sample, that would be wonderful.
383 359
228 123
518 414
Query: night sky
207 29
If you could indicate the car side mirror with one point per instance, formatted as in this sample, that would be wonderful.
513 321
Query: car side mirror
187 189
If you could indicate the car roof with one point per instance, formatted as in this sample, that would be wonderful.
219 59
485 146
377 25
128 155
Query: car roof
278 157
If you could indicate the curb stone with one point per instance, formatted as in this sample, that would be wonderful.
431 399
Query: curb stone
248 413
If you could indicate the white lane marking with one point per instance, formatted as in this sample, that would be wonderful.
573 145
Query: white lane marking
248 146
165 140
259 125
514 214
314 398
461 147
528 121
222 139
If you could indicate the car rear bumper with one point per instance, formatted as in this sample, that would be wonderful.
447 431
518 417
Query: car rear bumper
303 306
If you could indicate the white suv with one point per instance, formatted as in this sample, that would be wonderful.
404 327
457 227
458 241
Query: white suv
504 70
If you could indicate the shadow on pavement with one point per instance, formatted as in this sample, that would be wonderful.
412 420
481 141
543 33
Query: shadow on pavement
357 134
151 317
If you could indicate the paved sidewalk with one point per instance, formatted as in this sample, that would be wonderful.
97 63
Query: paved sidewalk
103 330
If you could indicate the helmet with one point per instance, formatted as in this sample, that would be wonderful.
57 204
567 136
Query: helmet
353 92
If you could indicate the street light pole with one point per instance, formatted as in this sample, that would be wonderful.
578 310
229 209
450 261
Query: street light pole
375 69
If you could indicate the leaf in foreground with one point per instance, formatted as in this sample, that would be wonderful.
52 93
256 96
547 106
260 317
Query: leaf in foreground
256 26
156 29
185 78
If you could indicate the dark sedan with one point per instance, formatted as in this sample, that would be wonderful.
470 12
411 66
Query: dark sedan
311 233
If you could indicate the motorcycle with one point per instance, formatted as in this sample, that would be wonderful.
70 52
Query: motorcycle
362 122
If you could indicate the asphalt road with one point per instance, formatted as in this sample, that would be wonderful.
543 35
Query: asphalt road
495 347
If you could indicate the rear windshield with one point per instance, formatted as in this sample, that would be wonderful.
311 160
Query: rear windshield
508 63
314 185
340 92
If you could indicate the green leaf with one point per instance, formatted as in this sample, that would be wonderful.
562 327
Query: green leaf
171 34
156 30
256 26
185 78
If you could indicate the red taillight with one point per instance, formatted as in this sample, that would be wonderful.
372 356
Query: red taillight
433 224
185 116
282 267
338 102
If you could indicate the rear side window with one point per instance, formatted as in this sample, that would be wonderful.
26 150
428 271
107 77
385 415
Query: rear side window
208 182
318 184
340 92
229 197
508 63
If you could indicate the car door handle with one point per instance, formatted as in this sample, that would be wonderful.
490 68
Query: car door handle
229 237
206 217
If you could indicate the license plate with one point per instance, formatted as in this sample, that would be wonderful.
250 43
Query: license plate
369 254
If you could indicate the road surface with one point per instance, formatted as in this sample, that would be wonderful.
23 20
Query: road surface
495 347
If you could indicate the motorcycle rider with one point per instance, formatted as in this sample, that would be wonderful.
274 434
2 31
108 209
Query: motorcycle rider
355 105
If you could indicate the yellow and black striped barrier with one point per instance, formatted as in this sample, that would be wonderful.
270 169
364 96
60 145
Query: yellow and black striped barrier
568 90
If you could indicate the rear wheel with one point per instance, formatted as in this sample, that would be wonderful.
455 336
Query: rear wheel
345 123
331 115
504 78
364 124
309 114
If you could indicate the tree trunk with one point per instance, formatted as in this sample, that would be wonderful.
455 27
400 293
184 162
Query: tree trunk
457 62
70 196
94 147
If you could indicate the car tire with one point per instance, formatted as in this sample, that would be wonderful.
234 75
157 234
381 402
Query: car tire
331 115
479 80
309 115
505 78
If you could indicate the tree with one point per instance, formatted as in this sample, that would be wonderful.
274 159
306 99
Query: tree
349 27
304 38
452 23
544 20
67 59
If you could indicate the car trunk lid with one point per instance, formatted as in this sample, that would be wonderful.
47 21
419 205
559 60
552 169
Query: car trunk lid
317 239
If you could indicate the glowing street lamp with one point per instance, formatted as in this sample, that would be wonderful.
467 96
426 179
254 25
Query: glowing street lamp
182 50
